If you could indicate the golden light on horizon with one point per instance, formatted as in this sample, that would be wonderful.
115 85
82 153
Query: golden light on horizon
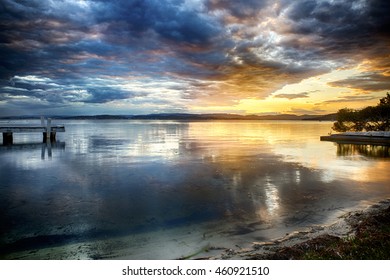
314 95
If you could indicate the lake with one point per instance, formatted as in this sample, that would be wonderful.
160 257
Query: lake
127 189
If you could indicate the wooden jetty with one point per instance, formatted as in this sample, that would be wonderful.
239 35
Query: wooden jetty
381 138
48 130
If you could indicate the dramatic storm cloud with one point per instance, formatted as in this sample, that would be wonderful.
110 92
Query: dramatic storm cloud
132 57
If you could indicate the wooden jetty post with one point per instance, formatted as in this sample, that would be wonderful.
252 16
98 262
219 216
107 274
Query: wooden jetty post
49 131
49 134
8 138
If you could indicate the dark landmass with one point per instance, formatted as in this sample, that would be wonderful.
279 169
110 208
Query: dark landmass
187 117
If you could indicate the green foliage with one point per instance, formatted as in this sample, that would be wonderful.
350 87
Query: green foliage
372 118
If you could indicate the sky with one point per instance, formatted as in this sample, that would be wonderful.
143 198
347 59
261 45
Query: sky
76 57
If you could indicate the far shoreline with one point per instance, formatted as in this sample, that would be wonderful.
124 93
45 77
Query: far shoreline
182 116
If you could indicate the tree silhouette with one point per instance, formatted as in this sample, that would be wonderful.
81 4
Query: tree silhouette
371 118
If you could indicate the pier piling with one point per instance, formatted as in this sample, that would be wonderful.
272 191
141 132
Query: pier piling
49 131
7 138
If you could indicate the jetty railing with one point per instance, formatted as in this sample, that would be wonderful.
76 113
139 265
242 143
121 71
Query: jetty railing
48 130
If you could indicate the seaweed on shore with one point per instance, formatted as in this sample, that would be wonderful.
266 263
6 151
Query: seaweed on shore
370 241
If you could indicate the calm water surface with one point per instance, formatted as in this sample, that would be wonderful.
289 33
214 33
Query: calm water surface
165 189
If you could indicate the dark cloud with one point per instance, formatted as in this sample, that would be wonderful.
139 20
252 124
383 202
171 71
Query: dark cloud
292 95
115 30
170 20
208 51
350 99
328 19
106 94
60 93
341 27
239 9
378 16
366 82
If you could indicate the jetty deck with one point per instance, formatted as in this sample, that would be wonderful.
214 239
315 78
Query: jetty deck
363 138
48 130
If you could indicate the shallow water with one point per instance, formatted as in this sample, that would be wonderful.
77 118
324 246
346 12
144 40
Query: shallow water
166 189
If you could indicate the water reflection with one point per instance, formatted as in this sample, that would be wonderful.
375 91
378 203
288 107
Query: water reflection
221 182
371 151
272 198
133 141
44 147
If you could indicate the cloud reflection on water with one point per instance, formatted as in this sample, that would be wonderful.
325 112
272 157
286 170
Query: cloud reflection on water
230 178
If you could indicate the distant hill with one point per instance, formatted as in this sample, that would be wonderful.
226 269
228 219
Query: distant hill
183 116
328 117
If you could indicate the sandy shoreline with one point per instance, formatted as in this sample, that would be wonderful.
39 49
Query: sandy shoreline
344 227
164 246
